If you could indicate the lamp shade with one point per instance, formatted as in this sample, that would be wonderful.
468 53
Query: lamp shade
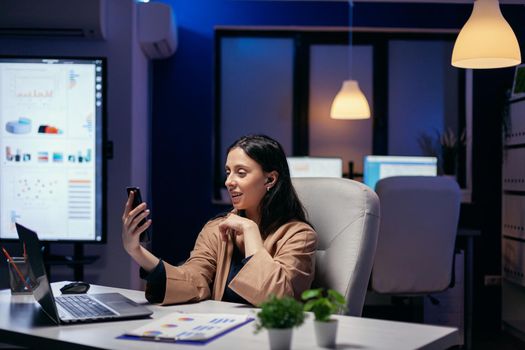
486 40
350 102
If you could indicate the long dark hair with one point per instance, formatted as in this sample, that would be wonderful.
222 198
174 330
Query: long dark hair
281 203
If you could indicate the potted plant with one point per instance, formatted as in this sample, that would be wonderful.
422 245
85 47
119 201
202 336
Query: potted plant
279 316
451 146
446 146
323 305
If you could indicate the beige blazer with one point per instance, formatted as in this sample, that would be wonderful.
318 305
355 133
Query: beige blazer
285 267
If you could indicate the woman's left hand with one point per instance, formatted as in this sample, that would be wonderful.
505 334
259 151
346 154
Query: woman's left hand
242 227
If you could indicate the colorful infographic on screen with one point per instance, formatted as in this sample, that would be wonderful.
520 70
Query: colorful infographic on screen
50 118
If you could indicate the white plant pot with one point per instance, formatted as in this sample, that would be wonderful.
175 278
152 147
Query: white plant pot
326 333
280 339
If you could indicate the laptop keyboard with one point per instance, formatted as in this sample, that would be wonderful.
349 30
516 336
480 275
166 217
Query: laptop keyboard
82 306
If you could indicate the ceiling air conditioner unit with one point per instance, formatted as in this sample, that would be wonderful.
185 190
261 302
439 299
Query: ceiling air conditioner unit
49 18
157 30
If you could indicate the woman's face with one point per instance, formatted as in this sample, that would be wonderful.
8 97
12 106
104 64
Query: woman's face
246 182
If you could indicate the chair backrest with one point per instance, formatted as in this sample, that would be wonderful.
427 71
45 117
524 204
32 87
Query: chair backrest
345 215
419 219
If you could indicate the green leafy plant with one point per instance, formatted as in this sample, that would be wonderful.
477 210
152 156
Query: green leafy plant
279 313
323 304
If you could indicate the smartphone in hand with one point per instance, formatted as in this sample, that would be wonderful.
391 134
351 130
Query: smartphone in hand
137 199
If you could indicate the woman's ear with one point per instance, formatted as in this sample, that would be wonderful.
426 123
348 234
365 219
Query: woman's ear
271 178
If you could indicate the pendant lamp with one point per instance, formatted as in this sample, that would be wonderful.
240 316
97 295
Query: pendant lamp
486 40
350 102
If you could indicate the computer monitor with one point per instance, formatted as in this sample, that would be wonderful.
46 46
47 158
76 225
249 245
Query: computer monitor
315 166
52 164
379 167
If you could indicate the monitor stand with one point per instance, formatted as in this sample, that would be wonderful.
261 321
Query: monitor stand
75 261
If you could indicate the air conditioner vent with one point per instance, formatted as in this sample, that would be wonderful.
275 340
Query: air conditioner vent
53 18
41 32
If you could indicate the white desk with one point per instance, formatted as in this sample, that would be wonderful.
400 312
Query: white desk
23 323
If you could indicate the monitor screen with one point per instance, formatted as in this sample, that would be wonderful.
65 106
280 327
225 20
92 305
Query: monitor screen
315 166
52 163
379 167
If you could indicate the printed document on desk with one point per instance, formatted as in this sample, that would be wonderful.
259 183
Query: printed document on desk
184 327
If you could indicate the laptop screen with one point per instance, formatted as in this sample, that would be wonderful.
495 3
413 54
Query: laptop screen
379 167
41 288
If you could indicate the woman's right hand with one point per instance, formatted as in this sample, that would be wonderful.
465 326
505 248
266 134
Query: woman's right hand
130 229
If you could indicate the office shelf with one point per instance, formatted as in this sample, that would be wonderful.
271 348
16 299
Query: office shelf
513 222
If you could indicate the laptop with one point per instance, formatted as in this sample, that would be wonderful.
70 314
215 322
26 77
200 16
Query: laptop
78 307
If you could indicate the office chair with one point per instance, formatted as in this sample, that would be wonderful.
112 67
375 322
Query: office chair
417 233
345 215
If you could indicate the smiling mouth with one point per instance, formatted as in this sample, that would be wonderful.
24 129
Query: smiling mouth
235 196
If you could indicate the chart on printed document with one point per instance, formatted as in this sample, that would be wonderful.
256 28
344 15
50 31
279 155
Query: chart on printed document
48 171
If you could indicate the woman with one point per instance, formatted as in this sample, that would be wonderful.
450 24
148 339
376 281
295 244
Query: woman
263 246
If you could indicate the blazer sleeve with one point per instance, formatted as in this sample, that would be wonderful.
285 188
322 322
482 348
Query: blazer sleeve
192 281
288 271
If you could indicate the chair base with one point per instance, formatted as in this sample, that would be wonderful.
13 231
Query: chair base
405 309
